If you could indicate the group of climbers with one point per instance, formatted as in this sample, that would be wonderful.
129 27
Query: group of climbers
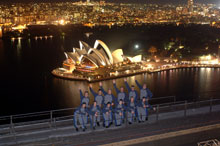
125 105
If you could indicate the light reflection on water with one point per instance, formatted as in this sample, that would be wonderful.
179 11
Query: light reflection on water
19 49
184 83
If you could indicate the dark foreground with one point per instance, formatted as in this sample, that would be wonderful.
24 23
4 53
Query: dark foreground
185 140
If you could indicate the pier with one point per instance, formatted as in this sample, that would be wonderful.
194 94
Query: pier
156 68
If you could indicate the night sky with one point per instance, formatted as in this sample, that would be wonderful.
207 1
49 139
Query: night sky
125 1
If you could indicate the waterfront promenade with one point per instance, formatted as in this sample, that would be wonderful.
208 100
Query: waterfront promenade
156 68
167 118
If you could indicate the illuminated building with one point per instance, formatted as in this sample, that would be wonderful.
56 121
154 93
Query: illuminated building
1 32
20 28
190 6
68 65
117 56
137 58
93 13
208 60
215 24
87 58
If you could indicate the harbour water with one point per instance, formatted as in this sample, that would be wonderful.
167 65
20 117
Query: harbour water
26 83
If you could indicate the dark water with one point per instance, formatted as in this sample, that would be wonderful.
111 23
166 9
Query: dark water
26 84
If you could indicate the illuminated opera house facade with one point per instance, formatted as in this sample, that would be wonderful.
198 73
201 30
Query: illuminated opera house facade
96 58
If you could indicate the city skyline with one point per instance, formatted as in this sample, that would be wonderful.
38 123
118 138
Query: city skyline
104 13
119 1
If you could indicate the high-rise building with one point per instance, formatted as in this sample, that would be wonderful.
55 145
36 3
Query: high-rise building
0 32
190 6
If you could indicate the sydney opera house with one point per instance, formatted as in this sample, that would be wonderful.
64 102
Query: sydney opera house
87 58
97 63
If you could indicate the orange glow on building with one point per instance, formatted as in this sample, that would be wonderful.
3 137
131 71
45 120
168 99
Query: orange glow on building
62 22
89 24
1 32
20 28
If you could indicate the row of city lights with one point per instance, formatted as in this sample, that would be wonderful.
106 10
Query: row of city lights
36 38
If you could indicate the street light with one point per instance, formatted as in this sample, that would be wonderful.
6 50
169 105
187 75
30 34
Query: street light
136 46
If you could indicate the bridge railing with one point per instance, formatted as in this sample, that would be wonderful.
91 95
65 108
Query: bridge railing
163 100
55 119
186 107
41 116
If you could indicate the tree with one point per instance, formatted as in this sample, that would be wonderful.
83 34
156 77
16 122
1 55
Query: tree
152 50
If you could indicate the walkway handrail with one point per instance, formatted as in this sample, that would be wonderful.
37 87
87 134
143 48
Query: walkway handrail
36 113
51 114
164 97
64 109
171 103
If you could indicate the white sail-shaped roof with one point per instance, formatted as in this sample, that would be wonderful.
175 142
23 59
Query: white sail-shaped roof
105 56
100 55
104 49
117 56
74 56
80 52
93 60
137 58
84 46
